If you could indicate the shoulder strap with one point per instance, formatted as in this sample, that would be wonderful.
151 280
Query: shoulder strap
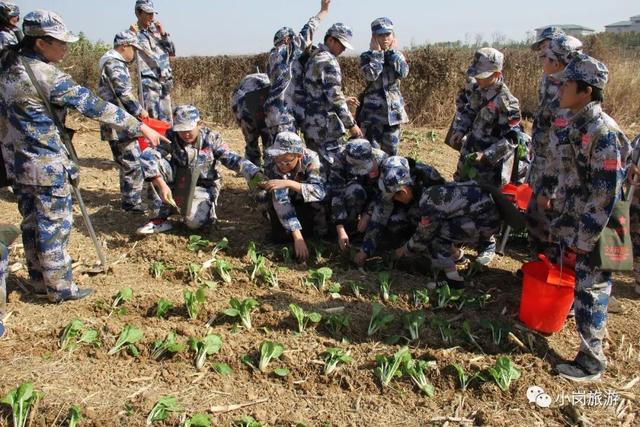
113 90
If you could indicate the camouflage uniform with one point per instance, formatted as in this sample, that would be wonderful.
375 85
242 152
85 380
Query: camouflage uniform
297 211
549 113
280 111
154 67
488 120
393 217
546 34
353 181
327 115
8 233
635 216
451 214
204 153
382 109
115 87
43 170
7 38
590 153
253 128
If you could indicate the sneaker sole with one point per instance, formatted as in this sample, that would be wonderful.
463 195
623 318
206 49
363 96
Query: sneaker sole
586 379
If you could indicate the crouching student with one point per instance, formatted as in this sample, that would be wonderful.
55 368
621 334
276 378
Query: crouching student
196 148
395 211
353 183
297 186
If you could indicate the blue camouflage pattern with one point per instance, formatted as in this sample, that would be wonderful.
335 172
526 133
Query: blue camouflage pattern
286 143
185 118
311 177
587 69
40 23
563 48
382 26
145 6
547 34
486 61
10 9
252 130
7 38
342 33
126 38
4 273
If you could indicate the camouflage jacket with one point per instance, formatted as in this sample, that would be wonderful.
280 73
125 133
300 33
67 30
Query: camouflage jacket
153 60
209 149
340 176
7 38
40 156
326 112
382 101
248 84
590 155
309 174
548 111
114 77
279 108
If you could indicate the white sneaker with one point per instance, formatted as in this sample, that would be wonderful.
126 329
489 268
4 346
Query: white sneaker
158 225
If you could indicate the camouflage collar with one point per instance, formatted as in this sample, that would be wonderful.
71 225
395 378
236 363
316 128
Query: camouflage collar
33 55
590 112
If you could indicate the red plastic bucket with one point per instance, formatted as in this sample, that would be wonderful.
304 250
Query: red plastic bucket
547 295
519 194
158 125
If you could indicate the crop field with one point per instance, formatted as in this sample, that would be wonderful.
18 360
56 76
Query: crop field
219 328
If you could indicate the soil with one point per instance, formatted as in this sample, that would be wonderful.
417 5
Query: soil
120 390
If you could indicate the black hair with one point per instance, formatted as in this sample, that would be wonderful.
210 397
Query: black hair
597 94
5 24
9 55
326 37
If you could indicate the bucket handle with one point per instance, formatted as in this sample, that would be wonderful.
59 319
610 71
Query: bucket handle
555 276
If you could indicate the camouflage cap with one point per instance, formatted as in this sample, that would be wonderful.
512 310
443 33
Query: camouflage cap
286 143
395 174
41 23
547 34
563 48
126 38
359 155
486 61
185 118
280 35
342 33
382 26
145 6
587 69
10 9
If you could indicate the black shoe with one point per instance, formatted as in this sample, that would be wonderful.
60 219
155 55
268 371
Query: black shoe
81 293
138 209
574 372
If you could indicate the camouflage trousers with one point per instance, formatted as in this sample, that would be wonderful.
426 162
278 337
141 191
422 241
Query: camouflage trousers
382 136
46 225
275 130
4 266
8 155
296 214
253 134
354 200
635 233
157 101
203 206
326 151
126 154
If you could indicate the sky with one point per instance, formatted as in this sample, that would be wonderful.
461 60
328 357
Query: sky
213 27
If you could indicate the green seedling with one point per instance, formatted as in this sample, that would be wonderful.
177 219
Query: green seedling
446 295
303 318
220 246
378 320
466 328
194 271
420 297
128 338
163 306
271 277
72 336
333 357
498 329
285 252
74 416
209 345
246 421
503 372
337 323
197 420
474 269
223 270
384 280
465 379
163 408
21 399
468 169
222 368
416 371
167 347
123 295
194 301
258 262
319 278
197 243
413 322
388 368
356 288
334 290
255 181
269 350
318 248
444 327
242 309
483 300
157 269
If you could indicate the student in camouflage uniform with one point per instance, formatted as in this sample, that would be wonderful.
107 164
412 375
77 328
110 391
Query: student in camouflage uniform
491 123
555 56
590 154
115 87
192 146
279 107
634 179
396 211
353 183
327 114
253 126
153 61
8 233
44 172
383 66
297 186
9 34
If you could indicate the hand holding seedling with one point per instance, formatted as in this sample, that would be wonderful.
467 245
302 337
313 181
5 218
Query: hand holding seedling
164 191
